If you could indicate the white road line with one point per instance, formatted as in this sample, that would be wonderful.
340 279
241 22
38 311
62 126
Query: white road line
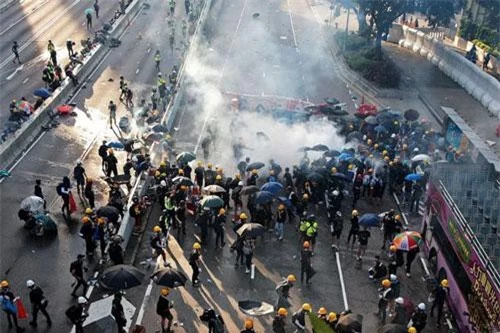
40 32
22 17
20 68
291 24
26 80
341 277
144 301
137 71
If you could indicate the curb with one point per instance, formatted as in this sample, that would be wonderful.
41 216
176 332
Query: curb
18 144
6 4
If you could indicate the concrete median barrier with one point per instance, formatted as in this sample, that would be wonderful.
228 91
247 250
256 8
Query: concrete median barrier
476 82
17 144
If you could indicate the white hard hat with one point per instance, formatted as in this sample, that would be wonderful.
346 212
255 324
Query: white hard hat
159 73
393 135
339 213
240 183
78 162
400 300
82 300
421 306
30 283
415 149
335 192
393 277
163 183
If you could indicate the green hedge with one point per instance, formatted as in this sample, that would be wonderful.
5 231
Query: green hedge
354 42
383 72
319 326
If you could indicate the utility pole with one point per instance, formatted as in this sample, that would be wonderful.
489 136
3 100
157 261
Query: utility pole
347 28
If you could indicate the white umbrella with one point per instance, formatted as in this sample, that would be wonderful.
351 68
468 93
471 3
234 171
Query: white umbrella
420 157
33 204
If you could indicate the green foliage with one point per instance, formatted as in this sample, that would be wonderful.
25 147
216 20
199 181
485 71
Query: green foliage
354 41
375 66
439 12
470 31
319 326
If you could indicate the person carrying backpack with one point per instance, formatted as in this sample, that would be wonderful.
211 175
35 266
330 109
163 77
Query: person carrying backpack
7 300
77 314
63 189
38 303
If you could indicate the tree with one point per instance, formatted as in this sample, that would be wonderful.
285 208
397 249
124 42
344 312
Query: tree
439 12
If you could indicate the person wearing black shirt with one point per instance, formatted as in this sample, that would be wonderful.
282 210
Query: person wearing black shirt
38 303
76 270
118 313
39 192
194 259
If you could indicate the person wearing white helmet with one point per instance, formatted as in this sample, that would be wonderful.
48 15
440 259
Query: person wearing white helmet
419 318
38 303
77 314
79 175
399 317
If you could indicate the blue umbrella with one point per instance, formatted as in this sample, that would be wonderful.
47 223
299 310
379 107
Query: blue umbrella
344 157
116 145
273 187
369 220
263 197
285 201
42 92
380 129
159 128
413 177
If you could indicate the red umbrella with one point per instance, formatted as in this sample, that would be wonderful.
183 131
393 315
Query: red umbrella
25 106
64 109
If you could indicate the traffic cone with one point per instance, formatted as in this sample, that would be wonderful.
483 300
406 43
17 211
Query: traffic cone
21 310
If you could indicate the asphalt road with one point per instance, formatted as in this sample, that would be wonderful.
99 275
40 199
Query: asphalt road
54 156
32 24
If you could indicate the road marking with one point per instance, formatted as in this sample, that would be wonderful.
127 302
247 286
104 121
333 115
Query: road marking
20 68
149 50
23 17
291 24
137 71
144 301
283 37
26 80
341 277
40 32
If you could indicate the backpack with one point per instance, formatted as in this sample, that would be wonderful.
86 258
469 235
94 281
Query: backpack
73 313
7 304
59 188
218 325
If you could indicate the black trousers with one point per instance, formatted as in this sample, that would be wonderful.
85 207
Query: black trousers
11 316
196 273
80 281
42 309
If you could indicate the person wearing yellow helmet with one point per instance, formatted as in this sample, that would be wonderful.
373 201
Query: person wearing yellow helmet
440 296
219 222
194 262
209 175
199 173
100 235
111 164
283 290
279 226
163 307
299 317
412 330
396 259
248 326
322 314
386 294
305 263
252 179
157 243
8 305
87 231
279 321
332 320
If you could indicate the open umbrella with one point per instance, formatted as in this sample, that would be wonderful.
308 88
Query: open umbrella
411 115
371 120
116 145
214 189
185 157
182 181
380 129
315 177
285 201
212 201
332 100
159 128
33 204
251 230
356 135
89 11
121 277
64 109
255 308
420 157
350 323
169 277
345 156
263 197
255 166
320 147
331 153
273 187
369 220
407 240
247 190
152 137
42 92
110 212
413 177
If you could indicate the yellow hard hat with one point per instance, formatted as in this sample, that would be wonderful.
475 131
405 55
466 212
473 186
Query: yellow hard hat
163 163
156 228
222 211
243 216
85 219
88 211
196 246
412 330
237 176
291 278
369 141
219 177
385 152
375 146
306 245
386 283
322 311
254 171
157 174
306 307
444 283
354 212
199 163
282 312
101 220
305 196
398 217
391 163
281 206
393 248
4 284
165 291
386 158
334 170
183 187
332 316
181 172
350 166
209 165
248 324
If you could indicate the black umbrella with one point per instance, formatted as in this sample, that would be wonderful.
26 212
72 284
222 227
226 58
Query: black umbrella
356 135
255 166
332 153
341 176
411 115
182 181
169 277
315 177
247 190
320 147
255 308
263 197
121 277
110 212
251 230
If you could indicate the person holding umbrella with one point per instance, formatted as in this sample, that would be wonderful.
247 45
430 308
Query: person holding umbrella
194 261
118 313
163 307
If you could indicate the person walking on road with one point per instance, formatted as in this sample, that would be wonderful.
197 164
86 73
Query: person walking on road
103 153
279 321
248 327
305 263
112 113
87 233
88 17
156 243
157 60
89 192
440 296
96 9
7 302
38 303
64 190
79 175
419 318
385 295
115 250
194 261
78 313
279 228
283 291
111 164
15 51
123 88
163 307
53 54
76 269
69 46
299 318
118 313
248 246
39 192
219 222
